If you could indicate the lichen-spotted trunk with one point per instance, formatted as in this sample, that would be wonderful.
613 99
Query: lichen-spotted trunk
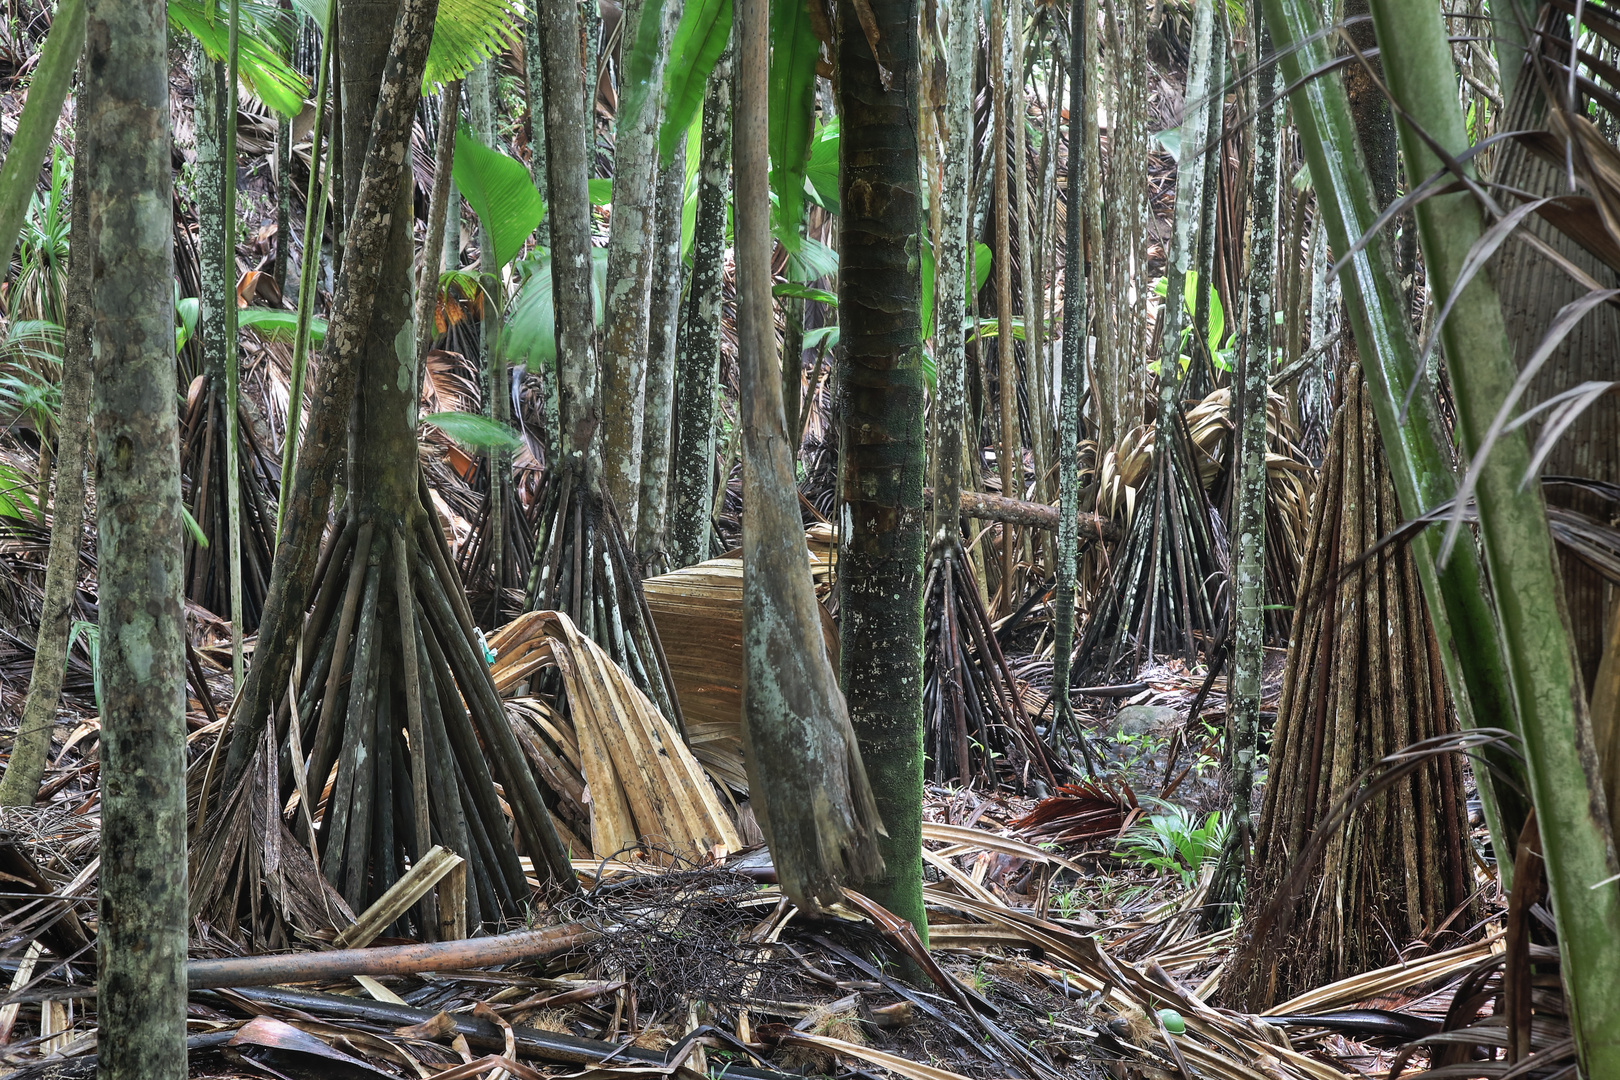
881 561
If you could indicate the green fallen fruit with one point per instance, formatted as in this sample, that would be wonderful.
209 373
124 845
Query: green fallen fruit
1172 1021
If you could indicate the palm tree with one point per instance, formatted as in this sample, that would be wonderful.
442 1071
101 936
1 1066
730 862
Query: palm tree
141 942
881 552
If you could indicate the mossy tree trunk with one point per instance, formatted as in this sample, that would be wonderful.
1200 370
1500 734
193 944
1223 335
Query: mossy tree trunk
141 941
881 556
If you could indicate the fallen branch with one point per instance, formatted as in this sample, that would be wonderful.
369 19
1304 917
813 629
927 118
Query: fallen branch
983 505
396 960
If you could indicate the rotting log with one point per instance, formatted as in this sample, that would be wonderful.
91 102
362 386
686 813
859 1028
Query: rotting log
392 960
988 507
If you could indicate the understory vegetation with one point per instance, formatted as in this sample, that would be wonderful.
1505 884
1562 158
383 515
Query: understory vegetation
764 538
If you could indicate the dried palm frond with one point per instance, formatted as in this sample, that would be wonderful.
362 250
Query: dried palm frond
647 790
698 612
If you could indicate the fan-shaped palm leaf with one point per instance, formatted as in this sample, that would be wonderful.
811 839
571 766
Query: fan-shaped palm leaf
468 32
501 193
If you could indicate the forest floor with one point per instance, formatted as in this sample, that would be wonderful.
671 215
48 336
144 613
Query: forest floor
1065 940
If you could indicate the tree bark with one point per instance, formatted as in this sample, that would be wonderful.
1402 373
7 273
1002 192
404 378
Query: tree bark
950 306
804 765
1076 327
881 556
632 241
1010 454
697 372
569 211
427 281
1250 386
20 784
141 942
651 523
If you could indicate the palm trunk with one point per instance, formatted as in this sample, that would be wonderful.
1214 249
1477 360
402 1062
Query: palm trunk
569 210
804 766
141 942
1076 326
1010 455
26 766
427 281
1029 284
233 472
480 90
651 529
1250 388
950 307
535 76
632 240
316 200
697 373
1565 778
881 552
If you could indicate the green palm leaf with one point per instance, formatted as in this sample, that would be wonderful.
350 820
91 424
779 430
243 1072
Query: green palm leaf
475 432
501 193
261 48
794 51
700 38
468 32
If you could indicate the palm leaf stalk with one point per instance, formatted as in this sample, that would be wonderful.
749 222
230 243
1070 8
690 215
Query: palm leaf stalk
53 76
1565 778
1417 451
320 184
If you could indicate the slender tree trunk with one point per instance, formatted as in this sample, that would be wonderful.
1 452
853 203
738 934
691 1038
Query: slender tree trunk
1010 456
1030 285
881 556
697 372
952 277
569 209
208 120
651 527
427 281
804 765
283 204
141 942
535 75
28 753
1250 389
1076 327
632 241
480 90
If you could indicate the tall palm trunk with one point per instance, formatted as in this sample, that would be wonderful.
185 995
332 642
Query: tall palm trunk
141 942
1250 391
804 766
652 523
632 241
1076 328
881 550
697 373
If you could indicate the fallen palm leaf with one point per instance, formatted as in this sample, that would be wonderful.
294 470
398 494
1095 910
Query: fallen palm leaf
645 787
698 613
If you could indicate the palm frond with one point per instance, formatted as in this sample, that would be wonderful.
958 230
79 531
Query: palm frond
468 32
